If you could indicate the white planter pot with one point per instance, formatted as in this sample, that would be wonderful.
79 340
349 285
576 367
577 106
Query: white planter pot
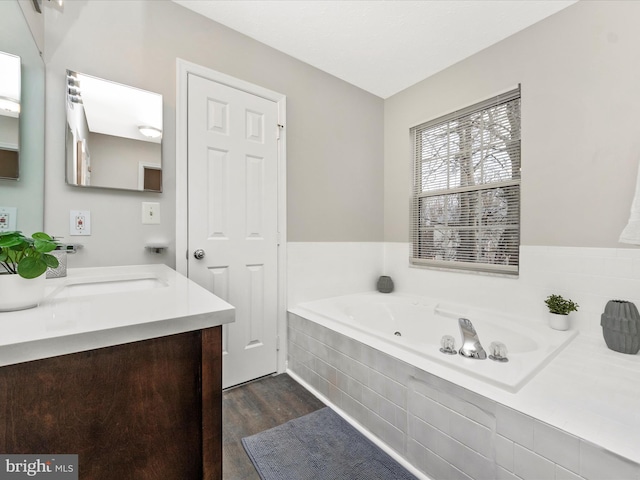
559 322
17 293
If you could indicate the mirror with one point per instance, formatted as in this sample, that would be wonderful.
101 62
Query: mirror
21 133
10 82
114 135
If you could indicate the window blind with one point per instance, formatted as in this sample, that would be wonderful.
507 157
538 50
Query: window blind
465 211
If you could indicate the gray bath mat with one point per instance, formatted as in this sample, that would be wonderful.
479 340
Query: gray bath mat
320 446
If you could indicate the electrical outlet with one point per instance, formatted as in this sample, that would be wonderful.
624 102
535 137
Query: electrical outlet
80 222
150 213
4 222
8 217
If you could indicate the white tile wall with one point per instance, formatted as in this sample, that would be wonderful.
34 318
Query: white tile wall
516 426
598 465
445 431
531 466
504 452
556 445
327 269
589 276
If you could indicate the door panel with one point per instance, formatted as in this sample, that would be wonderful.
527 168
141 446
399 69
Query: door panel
232 175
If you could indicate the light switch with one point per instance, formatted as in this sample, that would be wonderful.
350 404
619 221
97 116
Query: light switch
150 213
80 222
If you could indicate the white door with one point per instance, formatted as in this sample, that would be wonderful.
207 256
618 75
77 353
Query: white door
232 220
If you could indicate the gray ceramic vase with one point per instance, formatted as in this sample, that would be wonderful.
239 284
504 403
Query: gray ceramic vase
385 284
621 326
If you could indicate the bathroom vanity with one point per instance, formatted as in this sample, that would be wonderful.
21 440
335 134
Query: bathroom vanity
122 366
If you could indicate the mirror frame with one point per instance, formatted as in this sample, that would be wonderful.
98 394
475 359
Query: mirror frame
26 195
114 132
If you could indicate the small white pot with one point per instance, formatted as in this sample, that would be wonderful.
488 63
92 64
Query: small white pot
17 293
559 322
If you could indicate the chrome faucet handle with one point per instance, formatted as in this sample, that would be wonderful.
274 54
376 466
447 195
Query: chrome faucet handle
498 352
448 345
471 346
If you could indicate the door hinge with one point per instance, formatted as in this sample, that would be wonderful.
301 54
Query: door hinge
278 128
277 343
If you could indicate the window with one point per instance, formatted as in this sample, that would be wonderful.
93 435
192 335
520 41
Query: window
466 195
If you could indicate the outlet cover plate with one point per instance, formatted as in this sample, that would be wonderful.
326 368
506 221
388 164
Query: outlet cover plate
8 219
80 222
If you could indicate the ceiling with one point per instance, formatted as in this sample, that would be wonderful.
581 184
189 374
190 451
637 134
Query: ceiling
119 110
381 46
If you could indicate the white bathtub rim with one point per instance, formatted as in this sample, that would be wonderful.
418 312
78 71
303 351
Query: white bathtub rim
444 368
554 396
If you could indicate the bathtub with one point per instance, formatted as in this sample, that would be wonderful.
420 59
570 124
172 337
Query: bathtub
410 328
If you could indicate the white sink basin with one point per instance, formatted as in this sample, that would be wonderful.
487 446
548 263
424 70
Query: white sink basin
101 286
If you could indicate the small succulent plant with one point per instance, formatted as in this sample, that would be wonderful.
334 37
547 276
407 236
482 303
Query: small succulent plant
561 306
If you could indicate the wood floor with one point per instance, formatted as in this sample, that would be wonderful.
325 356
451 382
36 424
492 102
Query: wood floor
255 407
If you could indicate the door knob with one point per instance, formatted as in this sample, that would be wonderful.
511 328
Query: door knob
199 254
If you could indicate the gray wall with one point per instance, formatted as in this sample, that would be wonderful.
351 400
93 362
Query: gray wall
334 130
580 76
115 160
9 131
35 22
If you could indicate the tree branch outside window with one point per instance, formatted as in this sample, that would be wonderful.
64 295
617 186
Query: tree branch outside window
466 202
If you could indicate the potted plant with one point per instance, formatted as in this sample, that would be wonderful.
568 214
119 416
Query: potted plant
559 310
24 260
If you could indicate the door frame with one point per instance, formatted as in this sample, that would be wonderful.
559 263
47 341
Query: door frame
183 70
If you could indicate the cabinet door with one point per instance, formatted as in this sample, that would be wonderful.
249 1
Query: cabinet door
128 411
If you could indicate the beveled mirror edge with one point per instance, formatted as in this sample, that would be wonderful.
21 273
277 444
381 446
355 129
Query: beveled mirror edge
10 101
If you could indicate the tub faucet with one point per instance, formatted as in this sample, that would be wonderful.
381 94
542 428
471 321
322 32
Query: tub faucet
471 346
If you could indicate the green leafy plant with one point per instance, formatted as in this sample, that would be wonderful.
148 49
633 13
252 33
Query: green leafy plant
561 306
27 257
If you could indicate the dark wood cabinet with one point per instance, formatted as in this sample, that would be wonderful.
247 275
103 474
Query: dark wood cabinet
144 410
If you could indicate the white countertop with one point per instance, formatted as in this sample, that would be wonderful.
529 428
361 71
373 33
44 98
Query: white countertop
589 391
156 301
